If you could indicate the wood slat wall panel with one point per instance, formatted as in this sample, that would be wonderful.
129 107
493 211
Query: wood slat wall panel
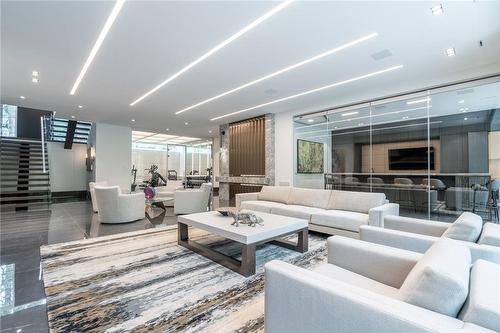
247 147
242 188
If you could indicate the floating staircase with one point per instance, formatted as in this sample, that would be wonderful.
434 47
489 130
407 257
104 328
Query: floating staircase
23 183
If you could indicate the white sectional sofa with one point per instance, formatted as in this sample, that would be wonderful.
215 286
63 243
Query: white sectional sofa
329 211
419 235
368 287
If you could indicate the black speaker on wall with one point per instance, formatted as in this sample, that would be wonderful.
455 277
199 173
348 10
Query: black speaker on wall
70 134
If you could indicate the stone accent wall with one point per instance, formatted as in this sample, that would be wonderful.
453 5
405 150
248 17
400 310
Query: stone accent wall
224 176
270 148
224 161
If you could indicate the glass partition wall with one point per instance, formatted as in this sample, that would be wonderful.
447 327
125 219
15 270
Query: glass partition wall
436 153
190 162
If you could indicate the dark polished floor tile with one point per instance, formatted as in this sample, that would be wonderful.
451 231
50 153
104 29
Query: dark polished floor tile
28 287
31 320
26 260
23 233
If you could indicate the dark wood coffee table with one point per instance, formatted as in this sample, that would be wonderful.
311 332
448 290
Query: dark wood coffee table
274 228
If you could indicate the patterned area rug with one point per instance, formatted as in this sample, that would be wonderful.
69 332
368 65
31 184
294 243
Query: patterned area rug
143 281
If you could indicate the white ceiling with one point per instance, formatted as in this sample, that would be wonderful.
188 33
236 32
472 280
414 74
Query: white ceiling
151 40
163 139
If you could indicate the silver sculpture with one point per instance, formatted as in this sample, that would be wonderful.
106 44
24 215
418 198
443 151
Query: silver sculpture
246 218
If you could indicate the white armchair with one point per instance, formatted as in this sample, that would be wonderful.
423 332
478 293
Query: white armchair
192 200
169 190
92 185
419 235
367 288
115 207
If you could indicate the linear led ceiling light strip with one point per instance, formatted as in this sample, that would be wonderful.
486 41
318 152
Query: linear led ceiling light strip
240 33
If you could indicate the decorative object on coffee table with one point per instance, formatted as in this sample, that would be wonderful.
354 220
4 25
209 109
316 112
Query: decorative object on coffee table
149 192
246 218
157 203
226 211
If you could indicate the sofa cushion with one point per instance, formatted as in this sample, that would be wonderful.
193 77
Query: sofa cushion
300 212
275 193
260 205
340 219
360 202
309 197
358 280
440 280
483 304
467 228
490 235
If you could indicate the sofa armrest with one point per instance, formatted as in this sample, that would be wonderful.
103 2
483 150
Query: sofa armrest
490 235
417 226
240 197
377 214
384 264
483 251
396 238
299 300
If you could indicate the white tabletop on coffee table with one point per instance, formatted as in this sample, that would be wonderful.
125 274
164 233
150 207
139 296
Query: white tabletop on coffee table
274 226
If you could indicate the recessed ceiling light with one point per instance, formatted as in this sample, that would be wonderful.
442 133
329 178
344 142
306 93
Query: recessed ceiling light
34 73
72 117
336 84
240 33
310 120
466 118
34 79
425 100
186 123
450 52
437 10
22 97
349 113
283 70
133 120
167 129
97 45
79 106
210 132
461 101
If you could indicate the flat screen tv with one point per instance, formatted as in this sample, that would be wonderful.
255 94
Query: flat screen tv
411 158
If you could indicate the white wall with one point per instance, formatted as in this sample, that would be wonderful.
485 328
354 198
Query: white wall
113 155
283 148
67 168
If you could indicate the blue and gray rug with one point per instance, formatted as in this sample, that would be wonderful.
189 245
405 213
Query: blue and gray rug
143 281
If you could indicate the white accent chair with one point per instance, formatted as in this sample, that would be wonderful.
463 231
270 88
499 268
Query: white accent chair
115 207
419 235
165 192
191 201
92 185
367 288
328 211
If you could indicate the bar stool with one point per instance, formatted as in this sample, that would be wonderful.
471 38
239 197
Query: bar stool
404 193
